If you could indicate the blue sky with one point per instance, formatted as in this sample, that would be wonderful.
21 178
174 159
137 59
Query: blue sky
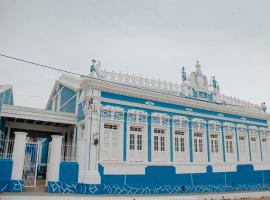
154 38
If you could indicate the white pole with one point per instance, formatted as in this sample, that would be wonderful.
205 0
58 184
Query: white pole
7 142
81 143
55 158
18 155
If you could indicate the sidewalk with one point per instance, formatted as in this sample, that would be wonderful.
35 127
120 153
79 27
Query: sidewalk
48 196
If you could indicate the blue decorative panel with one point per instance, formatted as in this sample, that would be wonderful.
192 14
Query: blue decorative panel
6 169
70 106
16 186
73 188
66 95
68 172
4 186
7 97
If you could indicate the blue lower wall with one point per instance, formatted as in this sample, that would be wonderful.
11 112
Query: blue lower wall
5 174
6 184
164 180
69 172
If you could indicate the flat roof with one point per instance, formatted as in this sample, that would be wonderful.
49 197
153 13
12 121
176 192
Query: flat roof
37 116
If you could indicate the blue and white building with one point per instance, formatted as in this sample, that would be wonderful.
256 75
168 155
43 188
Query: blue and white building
114 133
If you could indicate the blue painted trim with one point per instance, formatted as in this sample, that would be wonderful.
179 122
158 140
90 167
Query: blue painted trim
249 147
171 139
125 136
190 141
149 137
223 144
177 107
237 147
208 143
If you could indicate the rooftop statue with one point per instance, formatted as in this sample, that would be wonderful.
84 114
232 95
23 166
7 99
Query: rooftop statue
184 74
263 107
94 69
215 85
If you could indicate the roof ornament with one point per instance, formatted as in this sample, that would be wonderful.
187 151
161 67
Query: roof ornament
263 107
184 74
215 84
198 67
94 69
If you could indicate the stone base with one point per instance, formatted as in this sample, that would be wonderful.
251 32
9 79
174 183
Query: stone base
91 177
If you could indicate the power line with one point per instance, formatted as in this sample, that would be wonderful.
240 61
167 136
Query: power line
77 74
40 65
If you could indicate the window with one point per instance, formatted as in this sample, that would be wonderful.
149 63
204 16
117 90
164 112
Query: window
179 141
159 139
132 142
139 142
182 144
198 142
108 133
264 146
176 144
229 144
254 144
242 144
110 143
135 142
162 143
214 143
135 138
155 143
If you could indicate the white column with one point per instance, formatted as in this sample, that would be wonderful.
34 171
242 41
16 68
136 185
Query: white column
81 144
18 155
92 116
55 158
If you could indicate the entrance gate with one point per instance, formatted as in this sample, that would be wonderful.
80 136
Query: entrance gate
32 152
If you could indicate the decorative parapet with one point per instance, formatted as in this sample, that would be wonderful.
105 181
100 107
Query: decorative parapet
198 124
141 82
229 127
160 119
236 102
214 126
180 121
169 88
112 113
137 116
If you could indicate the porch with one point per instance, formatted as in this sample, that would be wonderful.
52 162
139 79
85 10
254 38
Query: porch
40 126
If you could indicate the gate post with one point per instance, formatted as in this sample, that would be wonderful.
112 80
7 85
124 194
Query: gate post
18 155
55 158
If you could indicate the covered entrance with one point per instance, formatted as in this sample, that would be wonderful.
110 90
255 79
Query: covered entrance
40 125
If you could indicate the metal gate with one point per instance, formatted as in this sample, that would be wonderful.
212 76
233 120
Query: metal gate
32 152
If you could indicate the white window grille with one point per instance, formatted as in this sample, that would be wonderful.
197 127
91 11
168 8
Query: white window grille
6 147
